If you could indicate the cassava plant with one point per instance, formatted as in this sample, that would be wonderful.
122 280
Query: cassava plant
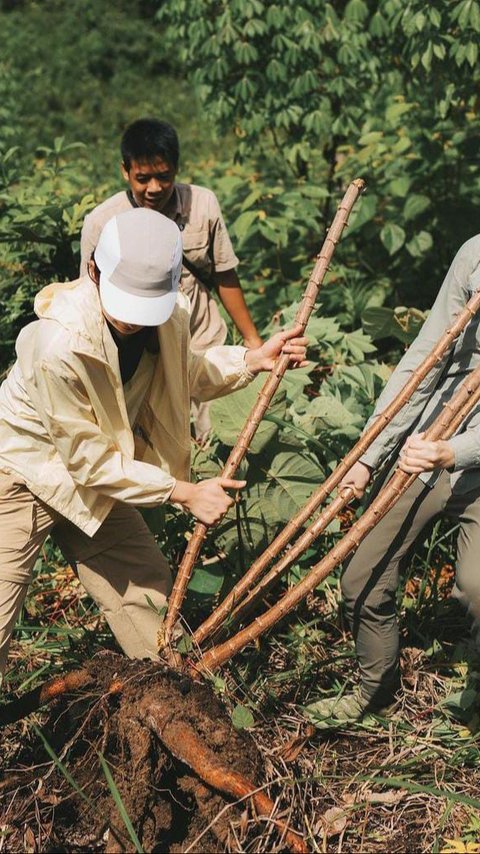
444 426
263 401
232 609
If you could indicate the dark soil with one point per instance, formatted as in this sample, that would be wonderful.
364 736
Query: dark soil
70 807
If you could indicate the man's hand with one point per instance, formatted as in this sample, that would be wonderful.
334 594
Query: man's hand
263 358
206 500
357 479
418 454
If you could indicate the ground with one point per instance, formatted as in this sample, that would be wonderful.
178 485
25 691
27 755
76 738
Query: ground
404 783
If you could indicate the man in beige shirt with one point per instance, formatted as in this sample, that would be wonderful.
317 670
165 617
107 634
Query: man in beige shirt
94 420
150 154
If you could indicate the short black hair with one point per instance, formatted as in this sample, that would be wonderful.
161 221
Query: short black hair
146 139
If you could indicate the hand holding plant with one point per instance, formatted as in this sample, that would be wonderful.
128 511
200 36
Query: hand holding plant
418 454
289 341
206 500
357 479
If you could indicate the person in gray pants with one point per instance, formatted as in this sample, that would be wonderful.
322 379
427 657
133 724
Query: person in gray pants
448 484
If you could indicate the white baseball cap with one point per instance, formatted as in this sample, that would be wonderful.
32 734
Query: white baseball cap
139 255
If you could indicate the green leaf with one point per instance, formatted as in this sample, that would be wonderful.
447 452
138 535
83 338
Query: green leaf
356 10
203 462
207 580
251 199
300 434
377 322
400 186
249 525
426 58
295 381
392 237
292 479
242 717
328 413
255 533
439 50
421 243
243 223
361 377
420 21
460 702
397 109
159 610
371 137
362 213
378 25
415 205
228 415
401 323
185 644
475 16
472 53
358 344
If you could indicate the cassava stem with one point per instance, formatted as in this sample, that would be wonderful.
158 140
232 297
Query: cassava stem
264 399
230 605
301 545
443 427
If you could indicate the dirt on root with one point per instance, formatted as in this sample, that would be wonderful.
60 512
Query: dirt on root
70 804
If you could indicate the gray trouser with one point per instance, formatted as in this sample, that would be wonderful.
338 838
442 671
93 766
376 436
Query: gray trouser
371 577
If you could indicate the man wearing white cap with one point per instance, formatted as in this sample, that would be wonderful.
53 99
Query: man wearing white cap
150 157
94 419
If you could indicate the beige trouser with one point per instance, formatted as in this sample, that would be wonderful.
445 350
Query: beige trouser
119 566
370 579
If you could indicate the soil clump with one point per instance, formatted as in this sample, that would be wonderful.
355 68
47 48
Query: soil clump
70 804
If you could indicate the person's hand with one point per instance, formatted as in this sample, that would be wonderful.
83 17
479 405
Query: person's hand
288 341
206 500
357 479
418 454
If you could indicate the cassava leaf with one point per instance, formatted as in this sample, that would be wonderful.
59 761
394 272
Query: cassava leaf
228 415
242 717
292 479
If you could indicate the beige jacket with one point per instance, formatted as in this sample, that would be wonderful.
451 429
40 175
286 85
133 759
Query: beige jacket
64 425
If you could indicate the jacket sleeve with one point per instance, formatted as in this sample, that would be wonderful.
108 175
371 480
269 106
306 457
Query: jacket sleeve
450 301
92 460
88 241
217 372
466 445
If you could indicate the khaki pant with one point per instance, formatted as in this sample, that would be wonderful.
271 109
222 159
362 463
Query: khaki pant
119 566
207 329
370 579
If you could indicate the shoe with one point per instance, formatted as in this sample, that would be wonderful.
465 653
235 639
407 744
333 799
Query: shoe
334 712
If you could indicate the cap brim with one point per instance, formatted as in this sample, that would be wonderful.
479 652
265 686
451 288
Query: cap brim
129 308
